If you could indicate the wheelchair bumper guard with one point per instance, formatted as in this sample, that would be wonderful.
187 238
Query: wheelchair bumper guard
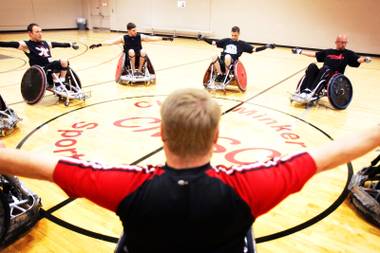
80 95
19 209
213 85
303 99
132 77
8 121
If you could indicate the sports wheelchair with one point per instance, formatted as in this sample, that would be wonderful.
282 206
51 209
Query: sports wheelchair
8 119
336 86
19 209
35 81
235 75
365 192
126 75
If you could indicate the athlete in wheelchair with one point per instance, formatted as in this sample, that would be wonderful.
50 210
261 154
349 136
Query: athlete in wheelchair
227 69
8 119
45 73
134 64
330 80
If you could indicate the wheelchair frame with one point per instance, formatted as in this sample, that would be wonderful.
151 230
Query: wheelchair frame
64 91
19 209
8 119
126 75
235 74
328 81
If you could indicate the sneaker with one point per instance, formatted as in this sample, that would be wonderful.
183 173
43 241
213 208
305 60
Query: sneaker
307 91
303 95
59 88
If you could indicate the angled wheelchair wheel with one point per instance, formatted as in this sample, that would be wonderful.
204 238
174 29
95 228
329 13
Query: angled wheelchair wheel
33 84
120 67
73 79
150 66
240 76
207 76
339 91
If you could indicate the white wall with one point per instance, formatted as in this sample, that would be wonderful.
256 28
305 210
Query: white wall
50 14
304 23
307 23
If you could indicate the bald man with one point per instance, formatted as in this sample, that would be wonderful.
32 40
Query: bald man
335 60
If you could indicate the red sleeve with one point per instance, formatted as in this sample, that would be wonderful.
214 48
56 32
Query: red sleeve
106 186
263 186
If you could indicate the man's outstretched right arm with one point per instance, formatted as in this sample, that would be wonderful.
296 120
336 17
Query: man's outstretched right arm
14 44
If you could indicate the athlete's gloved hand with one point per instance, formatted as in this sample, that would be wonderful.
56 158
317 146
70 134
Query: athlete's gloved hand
171 38
271 46
75 45
367 59
95 45
296 50
213 43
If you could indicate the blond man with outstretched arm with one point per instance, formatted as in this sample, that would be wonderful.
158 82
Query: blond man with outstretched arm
188 205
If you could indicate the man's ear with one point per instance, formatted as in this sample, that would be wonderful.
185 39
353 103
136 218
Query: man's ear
163 137
216 136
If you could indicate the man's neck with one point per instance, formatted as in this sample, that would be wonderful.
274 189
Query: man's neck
183 163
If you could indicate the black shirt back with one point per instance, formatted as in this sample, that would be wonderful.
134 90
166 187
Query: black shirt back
337 60
39 53
132 43
175 208
234 48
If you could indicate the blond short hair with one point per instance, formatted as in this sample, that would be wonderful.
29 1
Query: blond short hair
190 119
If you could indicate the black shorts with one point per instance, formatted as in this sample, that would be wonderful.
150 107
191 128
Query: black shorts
53 66
222 64
127 60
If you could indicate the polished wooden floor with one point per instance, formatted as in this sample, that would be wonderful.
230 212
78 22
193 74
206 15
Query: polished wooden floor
119 124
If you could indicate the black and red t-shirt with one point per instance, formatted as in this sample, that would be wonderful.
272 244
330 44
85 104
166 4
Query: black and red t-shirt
337 60
203 209
235 48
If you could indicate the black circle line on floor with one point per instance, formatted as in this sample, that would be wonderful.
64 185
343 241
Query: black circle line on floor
47 214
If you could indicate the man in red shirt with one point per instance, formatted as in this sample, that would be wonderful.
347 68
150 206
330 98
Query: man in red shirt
188 205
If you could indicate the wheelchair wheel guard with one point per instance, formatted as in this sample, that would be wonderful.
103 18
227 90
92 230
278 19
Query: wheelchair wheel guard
120 67
33 84
240 76
339 91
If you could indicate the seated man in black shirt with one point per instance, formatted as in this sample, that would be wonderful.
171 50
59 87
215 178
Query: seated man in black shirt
132 46
334 60
233 48
38 51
